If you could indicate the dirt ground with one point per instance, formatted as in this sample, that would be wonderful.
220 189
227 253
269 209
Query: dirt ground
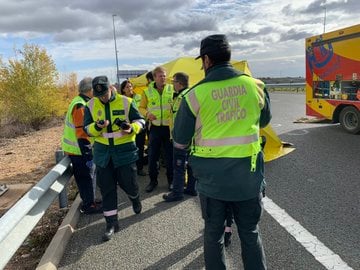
26 159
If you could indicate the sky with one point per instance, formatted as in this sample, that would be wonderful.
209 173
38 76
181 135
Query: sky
79 34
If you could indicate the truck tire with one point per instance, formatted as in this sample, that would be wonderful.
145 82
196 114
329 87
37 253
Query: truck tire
350 119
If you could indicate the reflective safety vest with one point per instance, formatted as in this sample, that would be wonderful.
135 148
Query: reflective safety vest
69 143
227 118
177 101
137 99
160 105
119 108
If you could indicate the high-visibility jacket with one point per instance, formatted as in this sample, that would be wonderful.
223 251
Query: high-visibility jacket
175 107
137 99
69 143
159 105
227 118
119 108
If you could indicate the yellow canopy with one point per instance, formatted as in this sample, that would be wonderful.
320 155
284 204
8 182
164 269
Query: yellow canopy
274 147
188 65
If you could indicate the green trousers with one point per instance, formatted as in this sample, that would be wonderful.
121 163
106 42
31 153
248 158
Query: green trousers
246 216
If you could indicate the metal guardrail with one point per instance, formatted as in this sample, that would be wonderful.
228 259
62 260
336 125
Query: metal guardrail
296 85
18 222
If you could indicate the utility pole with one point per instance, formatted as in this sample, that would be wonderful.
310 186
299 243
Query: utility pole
324 15
116 51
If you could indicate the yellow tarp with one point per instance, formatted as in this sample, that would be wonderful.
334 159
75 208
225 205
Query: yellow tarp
274 147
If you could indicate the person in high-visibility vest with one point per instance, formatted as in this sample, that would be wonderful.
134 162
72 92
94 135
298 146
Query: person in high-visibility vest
126 89
155 105
219 119
77 145
180 157
113 120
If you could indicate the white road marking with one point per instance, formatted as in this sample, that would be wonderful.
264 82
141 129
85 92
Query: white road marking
321 253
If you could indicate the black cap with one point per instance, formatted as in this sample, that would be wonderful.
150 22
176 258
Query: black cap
214 43
100 85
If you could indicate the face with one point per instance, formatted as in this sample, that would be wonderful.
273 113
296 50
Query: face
160 78
176 84
105 98
128 89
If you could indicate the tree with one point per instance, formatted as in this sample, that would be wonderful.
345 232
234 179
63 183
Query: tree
28 87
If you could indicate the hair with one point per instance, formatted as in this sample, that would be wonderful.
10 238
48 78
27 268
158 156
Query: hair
158 69
219 56
182 78
149 76
123 85
85 85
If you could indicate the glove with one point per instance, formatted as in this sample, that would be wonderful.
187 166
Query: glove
89 164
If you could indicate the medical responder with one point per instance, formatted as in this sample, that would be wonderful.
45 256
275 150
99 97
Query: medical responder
126 89
180 156
77 145
155 105
220 119
113 120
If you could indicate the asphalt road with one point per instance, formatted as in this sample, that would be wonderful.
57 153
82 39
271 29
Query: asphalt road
311 220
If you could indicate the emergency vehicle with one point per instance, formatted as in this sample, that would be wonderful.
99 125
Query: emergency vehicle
333 77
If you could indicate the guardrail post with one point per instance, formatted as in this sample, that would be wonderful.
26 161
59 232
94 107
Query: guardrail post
63 199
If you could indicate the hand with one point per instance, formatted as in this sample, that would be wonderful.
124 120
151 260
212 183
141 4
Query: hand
128 130
102 123
151 117
89 164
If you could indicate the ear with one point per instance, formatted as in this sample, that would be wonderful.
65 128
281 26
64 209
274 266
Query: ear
207 62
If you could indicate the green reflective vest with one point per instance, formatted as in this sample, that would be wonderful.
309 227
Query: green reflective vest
227 118
119 108
137 99
160 105
69 143
177 101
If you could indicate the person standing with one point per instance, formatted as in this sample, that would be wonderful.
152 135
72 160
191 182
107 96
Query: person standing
113 120
77 145
180 156
155 106
126 89
220 118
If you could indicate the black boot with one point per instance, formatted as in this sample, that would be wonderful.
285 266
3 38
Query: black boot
112 226
151 186
136 204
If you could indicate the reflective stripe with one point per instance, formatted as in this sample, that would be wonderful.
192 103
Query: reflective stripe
133 197
228 141
91 104
158 108
126 107
110 213
117 134
180 146
69 124
158 122
194 103
70 142
139 122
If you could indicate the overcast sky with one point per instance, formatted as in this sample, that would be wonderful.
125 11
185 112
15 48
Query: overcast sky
78 34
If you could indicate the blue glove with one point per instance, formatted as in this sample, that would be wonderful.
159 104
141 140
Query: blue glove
89 164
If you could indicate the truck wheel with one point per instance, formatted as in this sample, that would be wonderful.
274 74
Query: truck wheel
350 119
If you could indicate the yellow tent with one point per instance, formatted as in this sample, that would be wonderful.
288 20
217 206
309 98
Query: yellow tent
274 147
188 65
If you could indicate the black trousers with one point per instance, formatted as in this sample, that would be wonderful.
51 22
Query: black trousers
83 178
160 135
247 216
140 143
108 178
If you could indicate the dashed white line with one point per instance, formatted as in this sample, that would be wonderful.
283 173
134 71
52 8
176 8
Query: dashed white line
322 254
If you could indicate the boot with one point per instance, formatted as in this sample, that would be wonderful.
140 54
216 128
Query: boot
151 186
112 226
136 204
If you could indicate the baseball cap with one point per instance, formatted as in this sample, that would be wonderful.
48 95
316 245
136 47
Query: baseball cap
100 85
212 44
